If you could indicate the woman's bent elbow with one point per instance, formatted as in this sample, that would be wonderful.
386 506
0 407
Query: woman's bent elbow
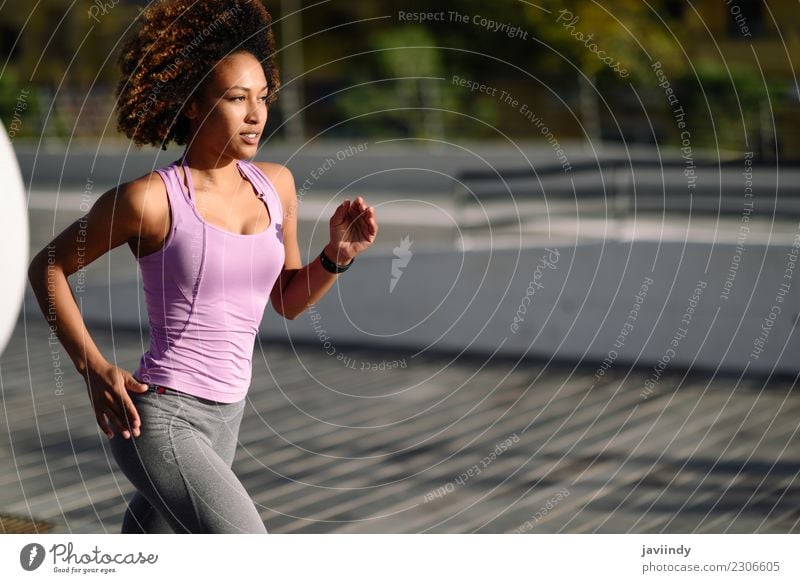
288 313
35 269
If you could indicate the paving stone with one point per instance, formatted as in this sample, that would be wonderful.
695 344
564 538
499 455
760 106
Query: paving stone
366 454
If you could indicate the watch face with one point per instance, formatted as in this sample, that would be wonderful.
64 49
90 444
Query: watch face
14 239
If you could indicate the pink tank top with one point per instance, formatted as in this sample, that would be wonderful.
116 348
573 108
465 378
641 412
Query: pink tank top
206 290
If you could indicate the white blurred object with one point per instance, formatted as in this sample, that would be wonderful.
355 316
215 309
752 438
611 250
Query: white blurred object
14 239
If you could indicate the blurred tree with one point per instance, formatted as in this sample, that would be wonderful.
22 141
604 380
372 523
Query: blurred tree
58 42
410 88
57 54
19 106
736 106
615 41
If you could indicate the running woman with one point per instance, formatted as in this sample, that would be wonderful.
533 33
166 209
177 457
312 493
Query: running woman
215 237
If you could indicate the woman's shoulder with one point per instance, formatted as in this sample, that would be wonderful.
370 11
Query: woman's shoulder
145 190
282 179
144 199
278 174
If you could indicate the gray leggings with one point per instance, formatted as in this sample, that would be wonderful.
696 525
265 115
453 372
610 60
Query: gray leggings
181 467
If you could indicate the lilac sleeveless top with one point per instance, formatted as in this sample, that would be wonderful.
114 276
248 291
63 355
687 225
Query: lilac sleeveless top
206 290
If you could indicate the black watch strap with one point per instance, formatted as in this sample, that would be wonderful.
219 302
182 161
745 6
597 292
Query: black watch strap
331 265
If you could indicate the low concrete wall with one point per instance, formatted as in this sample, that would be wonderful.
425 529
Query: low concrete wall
619 302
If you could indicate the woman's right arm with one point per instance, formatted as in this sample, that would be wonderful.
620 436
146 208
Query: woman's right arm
118 216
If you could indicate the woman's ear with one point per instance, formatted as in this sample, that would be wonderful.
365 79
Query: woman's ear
191 109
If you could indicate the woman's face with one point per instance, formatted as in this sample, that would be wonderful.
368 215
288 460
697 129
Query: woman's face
232 105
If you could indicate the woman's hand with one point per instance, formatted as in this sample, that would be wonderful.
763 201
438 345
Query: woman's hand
353 228
108 387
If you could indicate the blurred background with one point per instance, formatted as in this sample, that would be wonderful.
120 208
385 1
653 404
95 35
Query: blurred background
581 311
731 63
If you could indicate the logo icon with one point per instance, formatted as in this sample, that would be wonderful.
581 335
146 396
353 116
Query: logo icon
31 556
402 255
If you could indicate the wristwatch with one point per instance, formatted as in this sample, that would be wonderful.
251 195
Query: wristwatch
332 266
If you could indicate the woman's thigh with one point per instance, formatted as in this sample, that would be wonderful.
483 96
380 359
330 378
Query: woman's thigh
174 464
226 439
141 517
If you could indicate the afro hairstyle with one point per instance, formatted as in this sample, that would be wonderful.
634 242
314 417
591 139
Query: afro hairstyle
171 55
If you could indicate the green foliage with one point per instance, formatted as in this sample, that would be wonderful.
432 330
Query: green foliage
408 92
627 32
724 105
19 106
403 86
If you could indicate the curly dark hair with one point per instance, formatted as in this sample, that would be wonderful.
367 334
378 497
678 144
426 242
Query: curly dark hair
170 57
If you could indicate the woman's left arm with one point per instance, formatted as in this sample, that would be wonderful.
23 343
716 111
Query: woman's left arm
353 229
